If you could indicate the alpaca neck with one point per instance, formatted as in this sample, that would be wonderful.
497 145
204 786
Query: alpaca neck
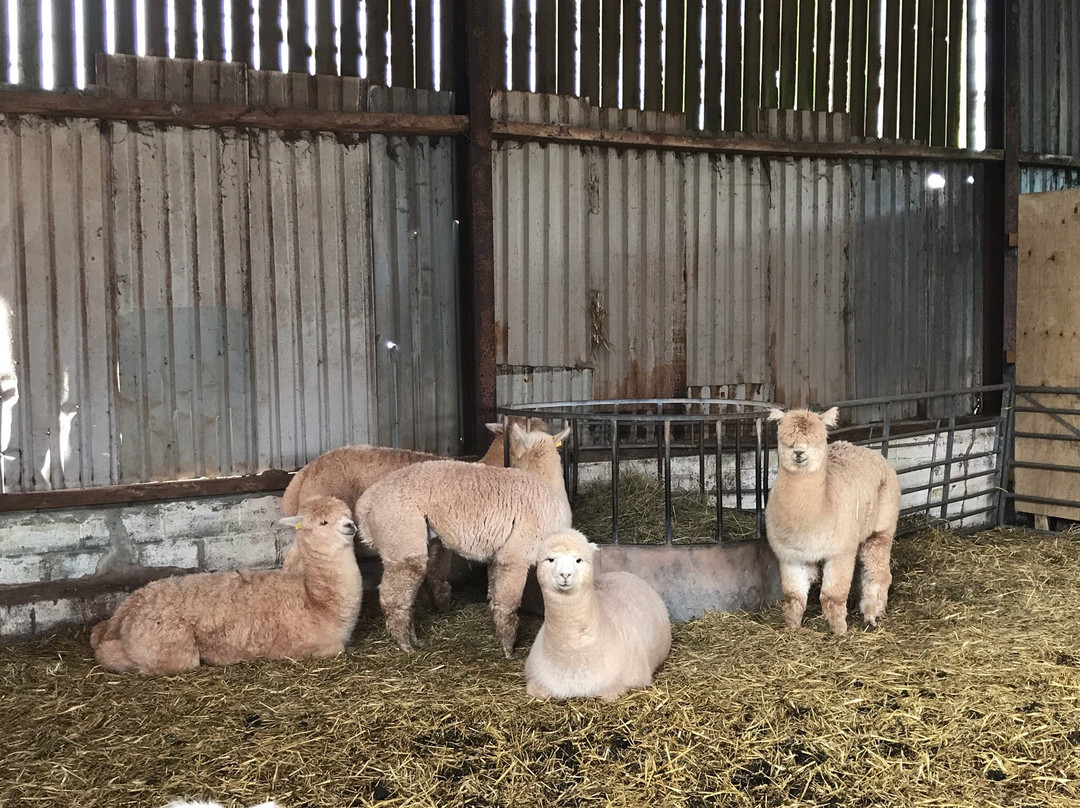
807 489
549 469
565 615
495 454
331 578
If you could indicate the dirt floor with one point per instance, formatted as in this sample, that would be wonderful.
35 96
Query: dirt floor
968 695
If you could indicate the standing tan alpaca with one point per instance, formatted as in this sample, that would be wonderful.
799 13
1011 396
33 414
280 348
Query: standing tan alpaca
831 503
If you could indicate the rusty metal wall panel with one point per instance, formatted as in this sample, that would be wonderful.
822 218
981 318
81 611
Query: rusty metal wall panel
916 277
529 385
540 198
414 239
1036 179
1050 77
311 299
56 428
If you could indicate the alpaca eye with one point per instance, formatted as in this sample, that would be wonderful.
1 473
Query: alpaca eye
324 523
551 560
579 561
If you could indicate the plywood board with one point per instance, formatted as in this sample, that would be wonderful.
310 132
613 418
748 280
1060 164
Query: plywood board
1048 344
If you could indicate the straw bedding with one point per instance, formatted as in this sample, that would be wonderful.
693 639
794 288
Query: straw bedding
968 695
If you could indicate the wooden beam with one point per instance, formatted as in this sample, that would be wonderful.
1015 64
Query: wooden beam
585 136
145 492
108 108
479 223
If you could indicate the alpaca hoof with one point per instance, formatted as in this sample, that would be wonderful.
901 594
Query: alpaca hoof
838 628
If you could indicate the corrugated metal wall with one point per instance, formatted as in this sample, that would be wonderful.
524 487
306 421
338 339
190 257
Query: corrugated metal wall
1050 77
190 302
795 279
1035 179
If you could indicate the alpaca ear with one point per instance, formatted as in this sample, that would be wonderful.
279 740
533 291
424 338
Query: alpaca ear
291 521
537 425
830 416
519 439
561 436
495 429
594 547
775 414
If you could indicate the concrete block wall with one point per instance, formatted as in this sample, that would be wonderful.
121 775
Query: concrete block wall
102 551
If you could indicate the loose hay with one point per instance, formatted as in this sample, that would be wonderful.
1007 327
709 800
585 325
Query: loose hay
968 695
641 513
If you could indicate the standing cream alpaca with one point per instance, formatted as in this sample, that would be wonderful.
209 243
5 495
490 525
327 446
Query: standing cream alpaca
601 637
830 504
218 618
493 515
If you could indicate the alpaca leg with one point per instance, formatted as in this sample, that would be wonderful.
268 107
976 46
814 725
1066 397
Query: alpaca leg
876 575
795 580
397 592
506 583
537 690
835 585
438 570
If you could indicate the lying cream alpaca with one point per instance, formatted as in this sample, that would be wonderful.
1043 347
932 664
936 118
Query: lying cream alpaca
599 639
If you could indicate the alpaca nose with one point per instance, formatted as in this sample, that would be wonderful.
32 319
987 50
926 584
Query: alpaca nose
798 455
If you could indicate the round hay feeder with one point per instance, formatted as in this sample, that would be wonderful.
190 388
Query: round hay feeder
676 491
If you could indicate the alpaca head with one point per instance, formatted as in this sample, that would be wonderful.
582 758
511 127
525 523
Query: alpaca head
327 522
535 450
564 563
801 438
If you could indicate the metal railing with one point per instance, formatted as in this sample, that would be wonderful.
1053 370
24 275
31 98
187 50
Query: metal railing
965 463
1051 446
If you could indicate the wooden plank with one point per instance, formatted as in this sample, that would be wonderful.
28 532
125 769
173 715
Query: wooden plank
674 62
325 38
631 55
273 480
956 56
5 50
401 44
940 80
906 102
857 101
805 66
351 49
124 15
157 30
714 65
610 46
448 42
63 16
841 56
1048 296
270 34
770 53
589 57
93 36
733 64
567 50
654 59
873 68
184 29
500 56
892 68
924 50
520 46
626 139
939 116
425 44
242 15
274 116
30 43
823 57
789 45
546 46
378 25
692 71
297 38
213 28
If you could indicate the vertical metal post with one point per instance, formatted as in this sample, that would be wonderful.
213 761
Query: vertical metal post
614 481
1005 450
566 464
702 426
395 408
719 488
765 462
947 474
667 482
738 464
885 427
576 435
757 477
659 445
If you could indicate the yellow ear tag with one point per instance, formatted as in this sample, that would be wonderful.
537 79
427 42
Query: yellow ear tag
299 525
558 444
